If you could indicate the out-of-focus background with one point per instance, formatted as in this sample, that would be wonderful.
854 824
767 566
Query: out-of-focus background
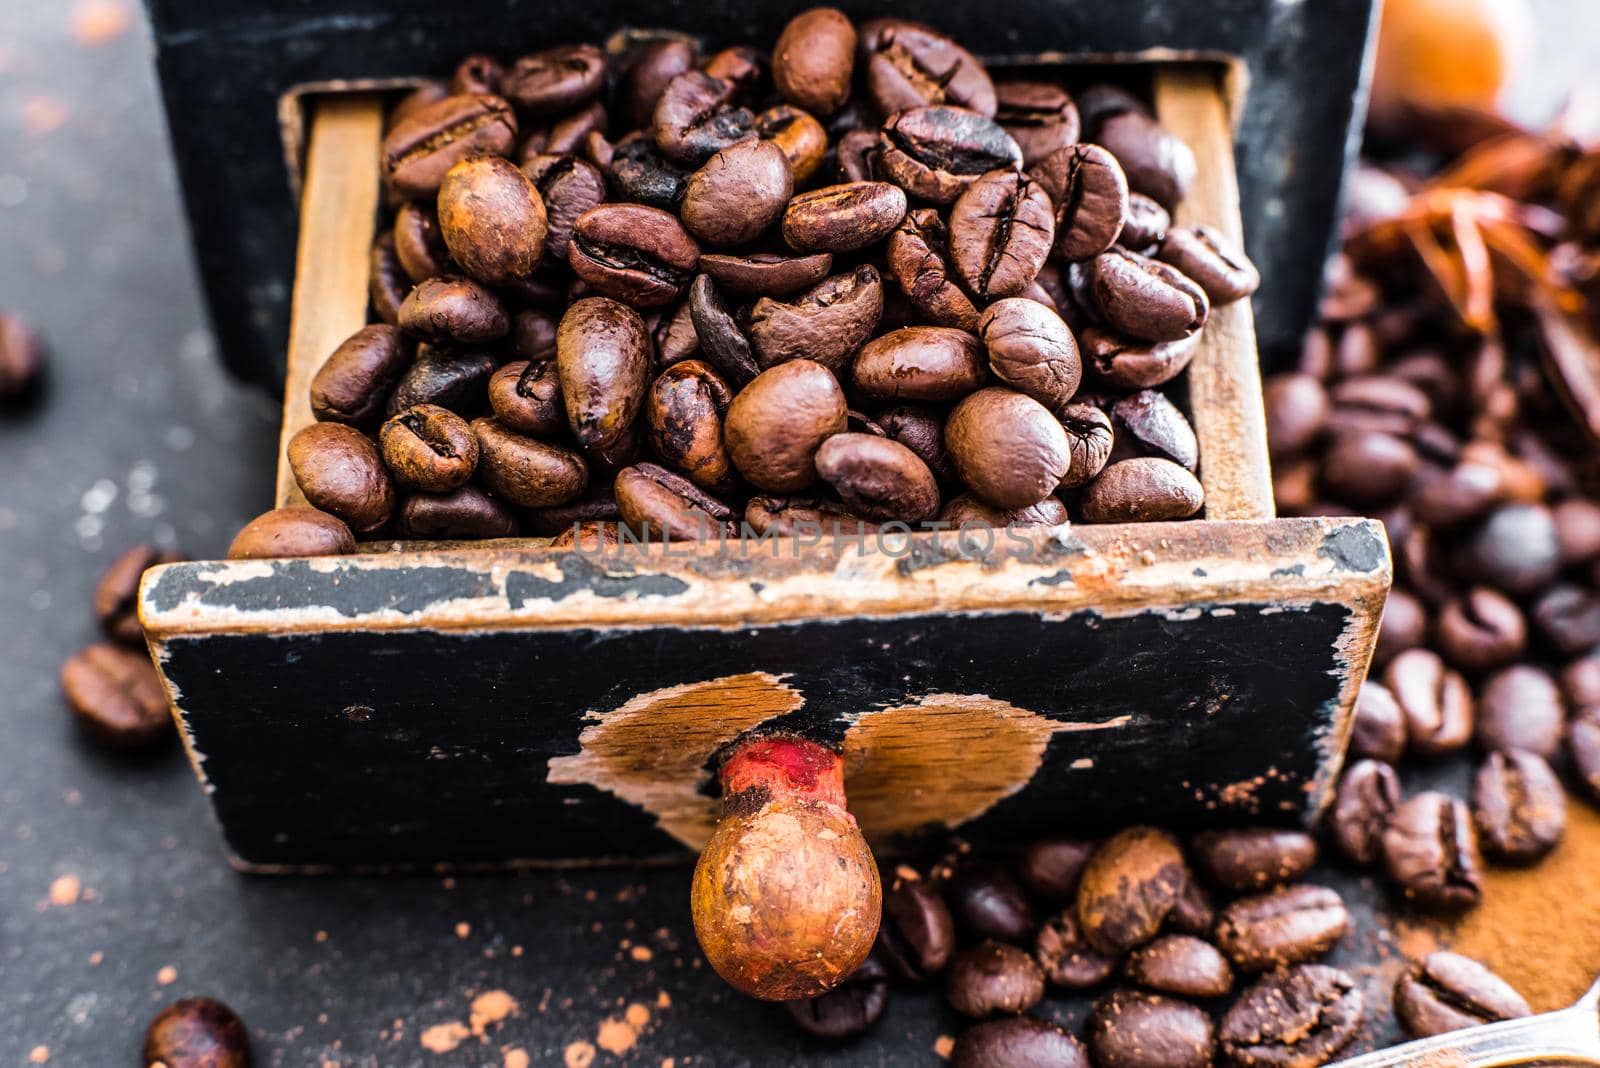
114 893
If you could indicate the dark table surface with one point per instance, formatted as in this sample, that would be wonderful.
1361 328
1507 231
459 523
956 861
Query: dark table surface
142 437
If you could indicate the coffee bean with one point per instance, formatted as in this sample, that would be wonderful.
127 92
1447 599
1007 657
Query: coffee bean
478 73
387 282
992 979
450 379
919 258
1184 965
568 187
765 274
683 411
1430 849
849 1009
1132 1029
197 1033
1287 926
813 60
827 323
1144 225
1297 410
420 148
429 448
909 65
116 696
987 901
463 513
737 193
603 360
588 537
1583 747
1567 617
1379 730
1480 630
1001 230
1006 446
920 429
1204 254
790 517
1031 350
1090 194
1129 886
1519 807
1158 163
556 80
722 338
1067 958
453 311
934 153
339 471
1580 681
1368 795
1577 530
1253 858
116 595
1435 701
633 253
1193 913
1040 117
1520 708
1017 1042
295 530
1126 363
1089 442
800 137
1515 550
638 172
878 478
1147 489
1146 298
920 363
526 397
1051 868
776 424
524 471
1148 424
646 74
1297 1017
1405 625
964 511
1445 992
917 936
843 218
419 241
597 504
697 117
353 383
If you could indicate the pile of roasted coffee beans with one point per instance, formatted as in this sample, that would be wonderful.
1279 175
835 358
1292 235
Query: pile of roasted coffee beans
1205 952
855 281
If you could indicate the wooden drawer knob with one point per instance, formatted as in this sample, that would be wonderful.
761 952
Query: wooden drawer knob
786 897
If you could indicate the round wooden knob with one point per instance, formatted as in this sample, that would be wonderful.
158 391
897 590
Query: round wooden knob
786 897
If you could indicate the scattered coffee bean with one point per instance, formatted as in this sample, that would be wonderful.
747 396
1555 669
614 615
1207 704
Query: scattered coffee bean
339 470
776 424
1435 701
878 478
492 218
116 595
843 218
1203 254
1253 858
197 1033
22 360
917 935
814 59
1368 795
453 311
909 65
737 194
1006 447
1031 350
1379 731
1001 229
429 448
1147 489
1520 708
353 383
525 471
1480 630
1017 1042
116 696
1066 956
1519 807
463 513
1090 194
1179 964
1297 1017
1129 886
1445 992
1430 849
849 1009
1133 1029
992 979
1288 926
1051 868
420 148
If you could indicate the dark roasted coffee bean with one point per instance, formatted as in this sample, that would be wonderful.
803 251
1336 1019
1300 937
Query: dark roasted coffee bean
1051 868
339 471
464 513
1368 467
1143 490
1148 424
1193 913
1430 849
1515 550
454 380
965 512
429 448
588 537
556 80
1405 626
478 73
1521 708
1144 224
827 323
1017 1042
934 153
116 595
1001 229
568 186
921 363
737 193
921 430
633 253
603 358
419 242
1127 363
909 65
918 934
1445 992
1090 194
741 65
1066 956
1519 807
1287 926
526 397
116 696
595 505
1577 530
1580 681
1379 731
387 282
1040 117
993 979
843 218
776 424
453 311
645 76
294 530
794 516
524 471
798 135
1132 1029
1480 630
1205 255
765 274
850 1008
492 218
1129 886
1031 350
1089 443
987 901
697 116
353 383
683 423
1298 1017
420 148
919 258
1184 965
1568 618
197 1033
1435 701
1253 858
814 59
878 478
1368 795
1007 447
638 172
1158 163
722 338
1146 298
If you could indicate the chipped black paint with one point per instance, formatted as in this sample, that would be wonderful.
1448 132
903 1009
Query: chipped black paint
584 574
351 591
1354 548
1055 578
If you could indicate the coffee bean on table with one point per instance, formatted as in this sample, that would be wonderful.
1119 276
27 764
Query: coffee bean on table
197 1032
919 258
1017 1042
1031 350
453 311
1369 793
1520 708
1090 194
1430 850
450 378
917 935
828 323
993 978
1435 701
294 530
1204 254
909 65
339 471
878 478
920 363
1050 868
1089 441
492 218
1146 489
1446 992
1066 956
1129 886
525 471
1001 230
776 424
429 448
1297 1017
603 359
463 513
1180 964
1519 807
849 1009
737 193
1006 446
1580 681
1288 926
116 595
354 381
116 696
1145 298
1133 1029
843 218
633 253
1379 730
22 360
1253 858
1040 117
420 148
813 60
1480 630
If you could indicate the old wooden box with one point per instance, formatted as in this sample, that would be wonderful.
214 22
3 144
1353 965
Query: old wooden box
509 703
